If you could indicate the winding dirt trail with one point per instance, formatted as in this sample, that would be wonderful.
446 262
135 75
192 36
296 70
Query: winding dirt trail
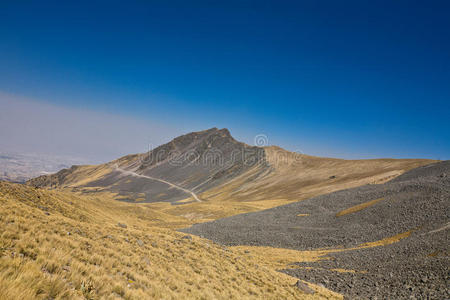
131 173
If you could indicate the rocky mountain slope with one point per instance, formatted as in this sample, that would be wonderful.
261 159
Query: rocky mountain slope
211 165
413 206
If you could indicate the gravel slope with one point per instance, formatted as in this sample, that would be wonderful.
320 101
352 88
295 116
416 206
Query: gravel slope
414 267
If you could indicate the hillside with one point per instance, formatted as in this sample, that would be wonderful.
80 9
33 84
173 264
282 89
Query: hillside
56 245
211 166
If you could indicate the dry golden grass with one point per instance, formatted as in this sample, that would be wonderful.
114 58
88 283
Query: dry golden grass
358 207
85 174
386 241
180 216
78 251
277 258
58 245
295 177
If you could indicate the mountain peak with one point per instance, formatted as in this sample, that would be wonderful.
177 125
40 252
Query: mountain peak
225 131
214 129
200 135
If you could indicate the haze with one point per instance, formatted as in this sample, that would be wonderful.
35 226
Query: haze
42 128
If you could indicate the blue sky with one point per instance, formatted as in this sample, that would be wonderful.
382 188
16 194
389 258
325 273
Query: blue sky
351 79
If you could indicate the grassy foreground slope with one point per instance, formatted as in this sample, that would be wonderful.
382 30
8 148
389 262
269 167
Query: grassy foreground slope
58 245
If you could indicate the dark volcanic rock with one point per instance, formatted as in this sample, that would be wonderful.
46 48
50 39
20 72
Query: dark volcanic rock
417 266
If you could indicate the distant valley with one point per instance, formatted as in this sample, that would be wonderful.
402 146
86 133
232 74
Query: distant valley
20 167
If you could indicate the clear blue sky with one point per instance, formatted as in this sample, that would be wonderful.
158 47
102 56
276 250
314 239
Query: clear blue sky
352 79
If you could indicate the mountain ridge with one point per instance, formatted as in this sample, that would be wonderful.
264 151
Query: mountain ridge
214 165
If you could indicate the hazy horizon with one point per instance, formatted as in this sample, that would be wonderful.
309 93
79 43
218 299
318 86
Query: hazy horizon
42 128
